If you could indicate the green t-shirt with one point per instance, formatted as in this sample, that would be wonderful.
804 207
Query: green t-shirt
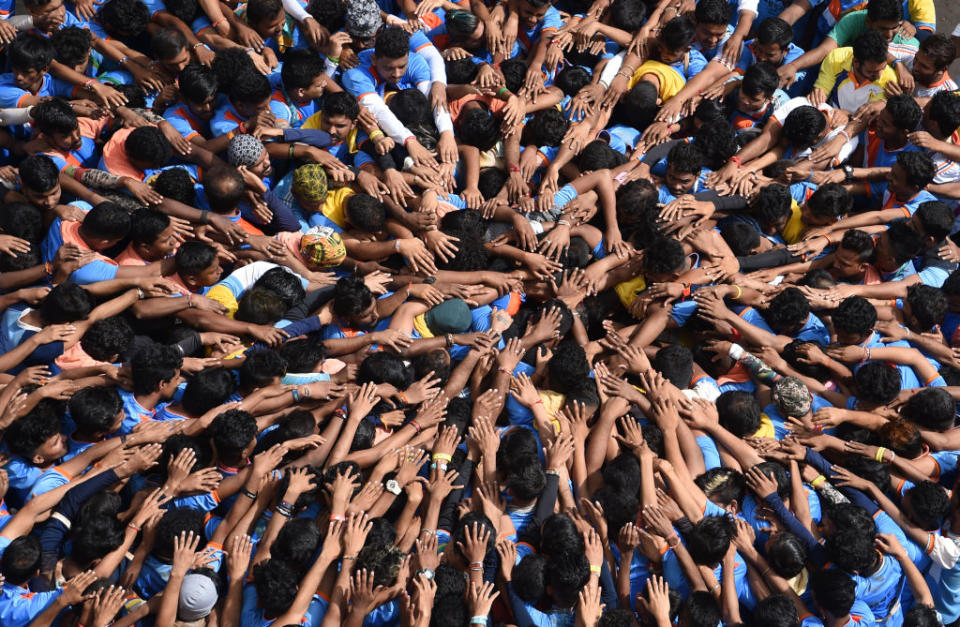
852 25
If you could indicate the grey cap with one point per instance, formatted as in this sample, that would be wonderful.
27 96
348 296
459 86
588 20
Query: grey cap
363 18
792 397
198 596
244 150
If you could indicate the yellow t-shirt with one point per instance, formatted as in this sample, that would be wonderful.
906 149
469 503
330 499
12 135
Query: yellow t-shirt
795 225
313 122
837 80
335 206
670 80
627 291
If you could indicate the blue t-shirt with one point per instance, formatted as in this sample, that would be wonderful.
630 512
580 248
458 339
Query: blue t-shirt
364 79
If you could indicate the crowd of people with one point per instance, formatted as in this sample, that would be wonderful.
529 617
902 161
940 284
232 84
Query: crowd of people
460 313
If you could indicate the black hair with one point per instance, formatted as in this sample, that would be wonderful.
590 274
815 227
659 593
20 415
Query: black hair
851 551
259 305
303 355
127 16
740 412
341 103
787 554
176 183
665 256
194 256
231 432
772 203
685 158
479 128
855 315
72 45
186 10
803 127
717 142
884 10
461 71
167 43
777 610
678 33
927 304
788 311
905 111
67 302
106 339
742 238
830 200
21 560
351 296
877 382
147 144
54 116
223 188
713 12
722 485
29 432
366 213
622 473
39 173
147 224
152 365
834 591
31 51
567 574
261 366
870 46
231 65
296 543
530 578
198 83
918 166
760 78
94 409
572 79
392 43
383 367
260 10
300 68
276 584
250 87
526 479
107 221
284 284
460 24
547 128
675 363
930 408
514 72
940 50
774 30
208 389
709 540
859 242
922 616
944 110
905 243
628 15
700 609
936 219
929 504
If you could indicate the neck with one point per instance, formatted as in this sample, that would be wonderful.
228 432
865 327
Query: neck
830 621
148 401
897 142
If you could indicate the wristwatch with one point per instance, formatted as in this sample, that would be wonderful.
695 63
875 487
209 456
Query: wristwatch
430 280
847 173
426 572
393 487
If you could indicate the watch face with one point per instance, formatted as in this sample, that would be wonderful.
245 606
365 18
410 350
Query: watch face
393 487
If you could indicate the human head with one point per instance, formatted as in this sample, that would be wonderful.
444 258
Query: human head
712 17
675 39
36 437
267 17
21 560
233 434
340 111
773 41
664 260
250 93
465 29
724 487
804 127
248 151
759 84
854 319
787 312
828 204
57 122
884 17
224 188
107 340
834 592
276 585
155 369
869 56
309 186
531 12
302 75
124 18
930 408
207 389
198 89
912 172
934 220
771 206
362 21
941 116
927 504
40 181
169 48
105 225
48 15
197 264
262 367
901 116
896 246
97 411
936 54
354 303
852 257
176 183
684 164
147 148
366 213
927 305
709 540
72 45
877 383
30 56
478 128
777 610
792 397
739 412
67 302
390 54
152 234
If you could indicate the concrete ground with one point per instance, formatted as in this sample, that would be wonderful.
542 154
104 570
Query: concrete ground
948 16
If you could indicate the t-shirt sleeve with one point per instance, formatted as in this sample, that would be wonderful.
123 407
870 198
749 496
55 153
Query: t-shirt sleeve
358 82
96 270
831 67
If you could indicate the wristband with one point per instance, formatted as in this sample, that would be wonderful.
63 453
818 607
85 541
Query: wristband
205 217
334 60
134 527
290 151
377 134
595 569
282 512
501 90
416 426
222 19
250 495
736 351
88 85
339 413
816 483
506 372
396 245
349 557
735 159
510 166
338 518
879 456
478 620
444 456
199 44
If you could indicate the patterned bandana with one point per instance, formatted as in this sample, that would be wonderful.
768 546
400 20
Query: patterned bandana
322 247
244 150
310 182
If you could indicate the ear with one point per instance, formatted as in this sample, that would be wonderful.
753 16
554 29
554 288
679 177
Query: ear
36 460
733 507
